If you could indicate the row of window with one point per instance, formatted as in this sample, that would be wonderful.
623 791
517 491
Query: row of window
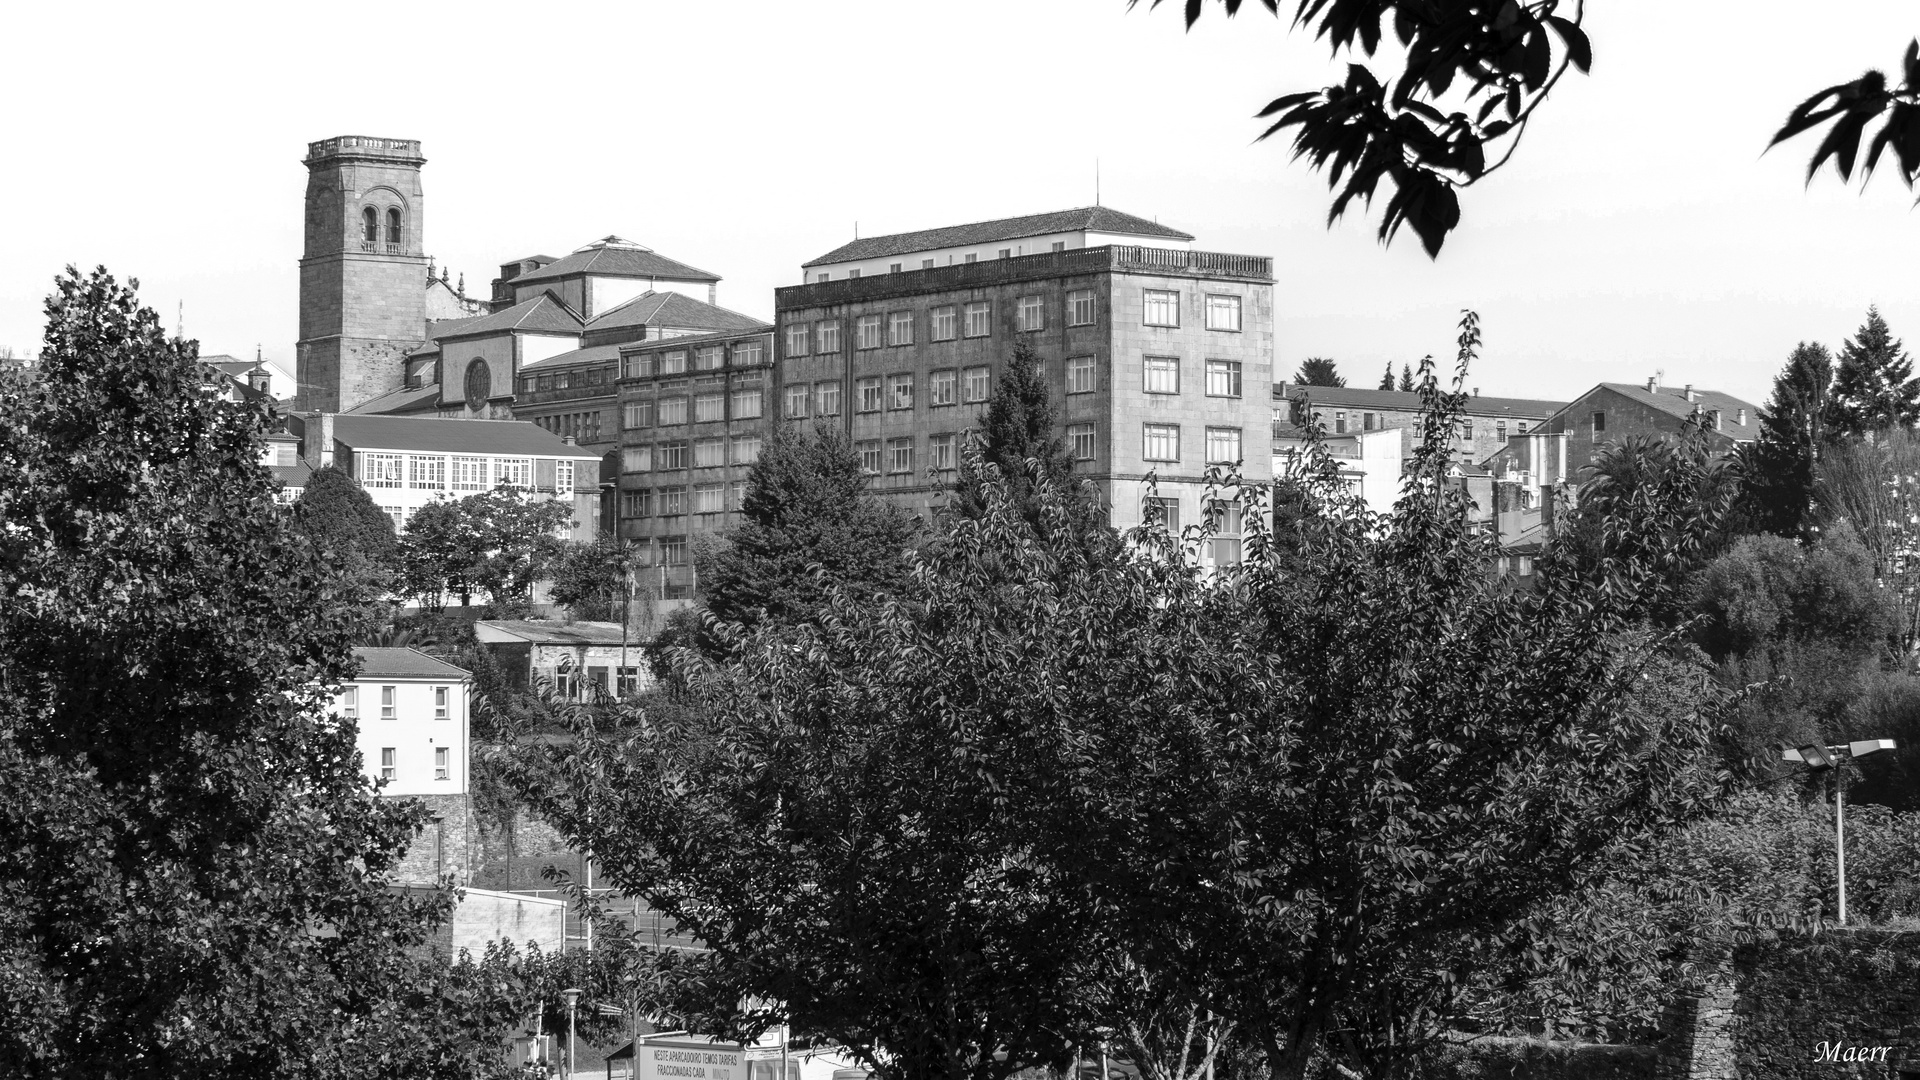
370 227
1161 442
390 763
350 702
582 426
675 501
705 408
455 472
704 358
927 264
1375 421
975 320
566 380
697 453
872 394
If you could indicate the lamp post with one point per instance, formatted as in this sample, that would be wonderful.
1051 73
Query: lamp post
573 998
1820 758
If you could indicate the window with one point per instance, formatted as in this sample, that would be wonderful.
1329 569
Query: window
746 403
978 384
826 338
797 339
1466 430
442 762
636 459
1227 524
926 264
708 407
1059 245
636 504
746 354
979 316
673 363
709 358
1599 421
893 268
736 494
626 680
1500 430
1163 375
350 703
370 227
942 387
899 455
673 551
1080 441
1340 422
516 472
673 411
388 708
869 394
797 394
826 399
745 449
973 256
394 231
637 414
440 703
1080 307
671 456
943 323
1166 511
900 326
1033 313
853 273
563 477
1006 253
380 470
869 452
940 452
398 515
820 279
1223 446
1366 422
427 472
899 392
867 332
1223 313
708 453
1080 375
1162 442
673 501
709 498
640 367
389 768
1163 308
1223 378
1523 427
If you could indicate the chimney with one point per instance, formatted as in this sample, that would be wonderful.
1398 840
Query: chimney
1653 384
1688 392
1741 418
316 440
568 439
1476 391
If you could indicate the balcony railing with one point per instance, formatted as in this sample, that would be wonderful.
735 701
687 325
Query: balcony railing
1121 257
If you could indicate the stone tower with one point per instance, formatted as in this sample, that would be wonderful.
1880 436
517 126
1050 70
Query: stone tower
363 279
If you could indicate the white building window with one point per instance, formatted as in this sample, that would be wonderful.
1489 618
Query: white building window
350 703
1228 522
1223 446
746 449
1223 378
1033 313
710 358
797 340
708 453
673 551
672 411
1162 308
827 338
380 470
516 472
673 501
869 391
398 514
1080 375
747 404
709 407
797 395
1162 374
1223 312
441 697
389 766
943 387
469 473
637 414
442 763
674 362
1162 442
940 451
826 399
943 323
900 328
636 459
1080 307
429 473
869 452
867 332
979 319
639 366
900 391
900 455
563 478
709 498
387 705
978 384
746 354
1080 441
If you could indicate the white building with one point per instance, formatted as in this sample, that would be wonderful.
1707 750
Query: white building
407 462
409 712
981 241
1369 462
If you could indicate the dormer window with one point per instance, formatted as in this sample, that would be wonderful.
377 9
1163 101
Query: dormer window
393 227
370 225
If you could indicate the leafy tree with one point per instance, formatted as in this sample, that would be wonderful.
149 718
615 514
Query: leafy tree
1317 371
1777 468
441 555
1406 378
1853 106
337 515
498 542
1873 383
1386 379
590 578
809 525
1873 485
182 817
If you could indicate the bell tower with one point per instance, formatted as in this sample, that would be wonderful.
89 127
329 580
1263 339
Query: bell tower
363 277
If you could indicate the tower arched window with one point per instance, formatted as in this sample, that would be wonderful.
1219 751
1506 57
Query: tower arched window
370 222
393 227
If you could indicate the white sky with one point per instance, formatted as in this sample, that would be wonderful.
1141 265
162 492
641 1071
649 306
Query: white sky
1638 229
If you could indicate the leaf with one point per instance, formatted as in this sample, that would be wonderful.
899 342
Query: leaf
1579 49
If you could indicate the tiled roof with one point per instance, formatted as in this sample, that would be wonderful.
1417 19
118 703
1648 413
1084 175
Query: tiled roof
687 341
231 365
398 401
1672 400
1080 219
439 328
542 632
1410 402
672 309
574 356
614 257
404 664
448 435
541 313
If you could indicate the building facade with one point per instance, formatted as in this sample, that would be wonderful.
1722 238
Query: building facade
409 713
1613 411
1484 427
1159 360
581 659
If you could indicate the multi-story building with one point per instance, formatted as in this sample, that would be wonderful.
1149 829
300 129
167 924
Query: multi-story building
409 712
694 413
1613 411
407 462
1159 357
1484 427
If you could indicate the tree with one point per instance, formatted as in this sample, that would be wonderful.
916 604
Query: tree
337 515
1386 380
1874 486
441 554
1316 371
810 525
196 880
590 577
1852 106
1020 439
498 542
1873 383
1406 378
1777 468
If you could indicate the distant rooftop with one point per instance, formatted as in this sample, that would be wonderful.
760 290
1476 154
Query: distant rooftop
1081 219
404 664
1407 401
545 632
612 256
449 435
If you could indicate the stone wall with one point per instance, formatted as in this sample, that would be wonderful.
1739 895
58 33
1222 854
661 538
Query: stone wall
448 845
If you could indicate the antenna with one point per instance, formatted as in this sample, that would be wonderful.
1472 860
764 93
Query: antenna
1096 181
856 230
180 320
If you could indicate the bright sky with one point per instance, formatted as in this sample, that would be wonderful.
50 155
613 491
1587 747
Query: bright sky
1639 229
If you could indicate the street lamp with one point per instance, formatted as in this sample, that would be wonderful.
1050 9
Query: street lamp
1820 758
573 998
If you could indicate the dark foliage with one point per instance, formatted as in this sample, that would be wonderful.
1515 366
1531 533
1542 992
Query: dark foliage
1386 379
1777 468
1853 107
1019 438
590 577
1317 371
1873 383
338 516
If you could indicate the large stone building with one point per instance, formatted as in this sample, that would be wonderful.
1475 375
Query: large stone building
1485 422
1159 357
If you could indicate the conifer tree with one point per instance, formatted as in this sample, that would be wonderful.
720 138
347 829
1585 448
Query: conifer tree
1406 378
1018 428
1778 467
339 516
1317 371
1873 383
1386 379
